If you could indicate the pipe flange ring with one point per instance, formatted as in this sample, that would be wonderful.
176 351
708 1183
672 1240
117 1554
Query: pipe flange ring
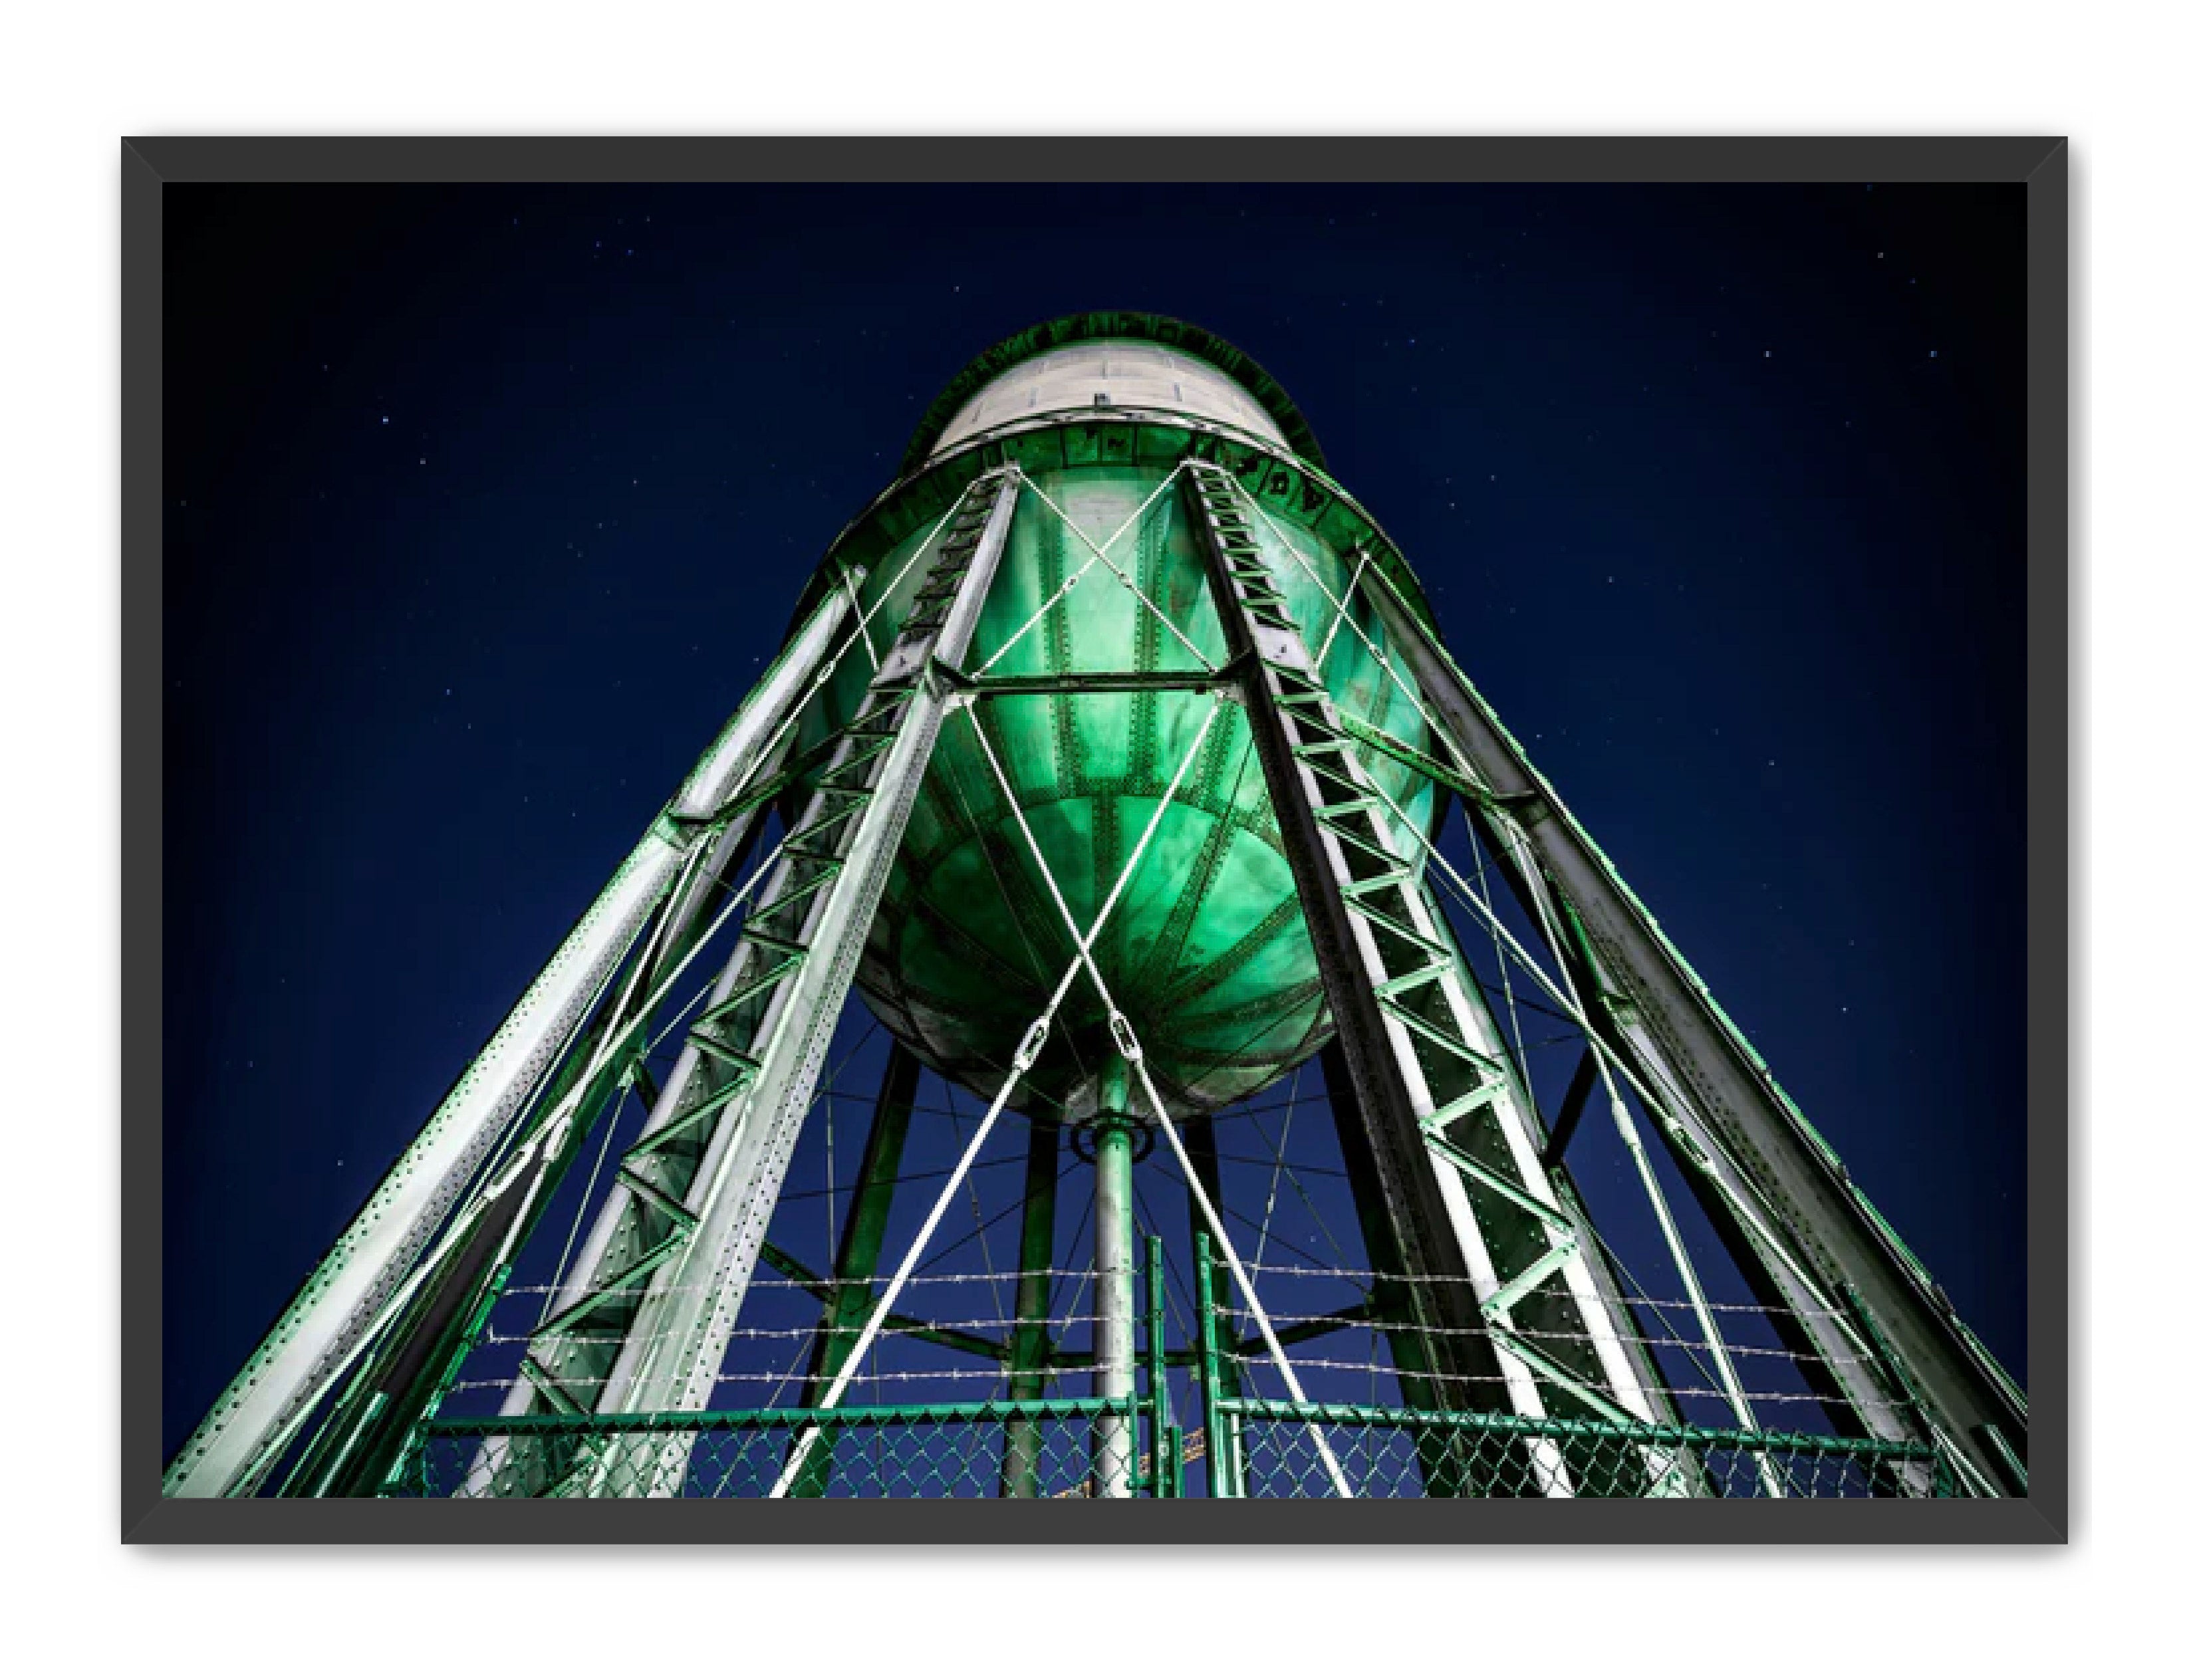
1084 1134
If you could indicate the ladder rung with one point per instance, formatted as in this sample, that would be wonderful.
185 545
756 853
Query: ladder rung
1458 1109
1414 979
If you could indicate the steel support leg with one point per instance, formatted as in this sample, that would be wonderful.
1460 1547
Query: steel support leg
1491 1260
1639 998
403 1380
1783 1201
672 1260
1222 1358
1222 1448
324 1325
1115 1131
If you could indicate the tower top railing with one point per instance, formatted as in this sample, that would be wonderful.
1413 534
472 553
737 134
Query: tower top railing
1195 341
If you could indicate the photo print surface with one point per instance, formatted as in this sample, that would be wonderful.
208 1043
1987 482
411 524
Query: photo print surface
1159 843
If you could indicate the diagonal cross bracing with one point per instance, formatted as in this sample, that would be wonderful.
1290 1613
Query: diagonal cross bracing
1101 552
1030 1046
1100 556
1129 1047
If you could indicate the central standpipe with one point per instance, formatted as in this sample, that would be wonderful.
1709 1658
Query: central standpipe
1115 1131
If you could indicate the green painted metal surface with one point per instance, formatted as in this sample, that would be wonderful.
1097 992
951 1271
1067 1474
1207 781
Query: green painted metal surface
1207 953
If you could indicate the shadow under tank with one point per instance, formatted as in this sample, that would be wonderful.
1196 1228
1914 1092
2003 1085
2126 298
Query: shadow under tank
1207 952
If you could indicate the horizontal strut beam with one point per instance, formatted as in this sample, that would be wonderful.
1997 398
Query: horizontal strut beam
1224 677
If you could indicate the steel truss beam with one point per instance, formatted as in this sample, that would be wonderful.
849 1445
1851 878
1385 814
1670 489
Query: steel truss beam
359 1449
1463 1191
1221 1358
341 1304
1781 1199
1094 682
667 1264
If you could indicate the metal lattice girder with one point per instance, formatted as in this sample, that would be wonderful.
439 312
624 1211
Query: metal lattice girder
359 1443
667 1269
1782 1198
1467 1193
340 1305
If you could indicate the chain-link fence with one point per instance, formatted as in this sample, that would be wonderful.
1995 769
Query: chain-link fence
1025 1449
1250 1444
1270 1449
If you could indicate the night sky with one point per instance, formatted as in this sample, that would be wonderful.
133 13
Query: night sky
486 505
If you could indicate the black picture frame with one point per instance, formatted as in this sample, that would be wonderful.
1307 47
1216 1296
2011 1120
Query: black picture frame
2040 164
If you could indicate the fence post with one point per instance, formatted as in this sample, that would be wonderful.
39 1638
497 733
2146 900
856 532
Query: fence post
1216 1438
1158 1389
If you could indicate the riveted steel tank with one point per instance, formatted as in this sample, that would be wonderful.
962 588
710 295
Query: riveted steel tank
1207 952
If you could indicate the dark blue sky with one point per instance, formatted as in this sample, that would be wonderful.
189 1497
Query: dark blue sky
484 503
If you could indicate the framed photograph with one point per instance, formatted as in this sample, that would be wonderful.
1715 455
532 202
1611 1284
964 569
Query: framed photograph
1073 840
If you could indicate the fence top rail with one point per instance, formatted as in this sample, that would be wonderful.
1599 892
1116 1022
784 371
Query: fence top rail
1498 1423
789 1417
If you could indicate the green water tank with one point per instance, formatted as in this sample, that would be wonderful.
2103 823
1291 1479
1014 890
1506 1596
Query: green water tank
1207 952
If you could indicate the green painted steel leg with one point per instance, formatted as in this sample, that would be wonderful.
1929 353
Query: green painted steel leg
405 1384
665 1271
322 1329
866 1222
1207 1167
1031 1348
1422 1386
1114 1133
1221 1444
2005 1459
1161 1465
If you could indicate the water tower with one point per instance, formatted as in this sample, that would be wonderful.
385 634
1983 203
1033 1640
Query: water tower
1115 764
